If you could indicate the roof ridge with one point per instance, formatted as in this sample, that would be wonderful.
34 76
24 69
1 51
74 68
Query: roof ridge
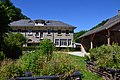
112 21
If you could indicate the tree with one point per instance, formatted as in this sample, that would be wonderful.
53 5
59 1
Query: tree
13 44
8 13
78 34
13 12
4 21
100 24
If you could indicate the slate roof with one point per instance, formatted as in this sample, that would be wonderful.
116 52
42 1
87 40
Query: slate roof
22 22
110 23
47 23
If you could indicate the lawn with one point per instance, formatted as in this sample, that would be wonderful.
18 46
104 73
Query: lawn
87 75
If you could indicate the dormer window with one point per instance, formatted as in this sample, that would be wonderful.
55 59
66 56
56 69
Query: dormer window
40 22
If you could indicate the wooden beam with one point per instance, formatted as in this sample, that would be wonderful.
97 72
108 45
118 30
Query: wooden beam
82 40
92 37
82 49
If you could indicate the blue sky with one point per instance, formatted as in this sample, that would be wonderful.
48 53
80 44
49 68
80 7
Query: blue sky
83 14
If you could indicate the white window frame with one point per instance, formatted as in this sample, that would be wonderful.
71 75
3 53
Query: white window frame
63 42
69 42
57 42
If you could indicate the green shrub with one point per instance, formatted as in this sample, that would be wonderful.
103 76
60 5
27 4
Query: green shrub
4 69
103 56
2 56
30 48
46 48
39 65
13 44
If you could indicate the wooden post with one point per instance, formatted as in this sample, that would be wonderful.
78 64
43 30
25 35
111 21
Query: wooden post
108 38
91 43
82 49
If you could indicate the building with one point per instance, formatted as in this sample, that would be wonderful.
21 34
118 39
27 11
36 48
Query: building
107 34
36 30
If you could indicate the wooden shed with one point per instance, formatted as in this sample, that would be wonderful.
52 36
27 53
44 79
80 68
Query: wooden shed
107 34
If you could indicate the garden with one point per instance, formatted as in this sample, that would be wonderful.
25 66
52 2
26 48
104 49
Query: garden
105 61
44 62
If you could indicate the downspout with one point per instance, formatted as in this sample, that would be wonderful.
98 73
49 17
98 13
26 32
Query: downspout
25 37
53 36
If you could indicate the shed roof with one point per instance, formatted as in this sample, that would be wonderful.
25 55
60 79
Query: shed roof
110 23
47 23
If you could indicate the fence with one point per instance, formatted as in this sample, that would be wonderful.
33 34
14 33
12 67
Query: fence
75 76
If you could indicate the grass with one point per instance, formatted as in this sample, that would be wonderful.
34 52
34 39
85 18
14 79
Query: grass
60 63
87 75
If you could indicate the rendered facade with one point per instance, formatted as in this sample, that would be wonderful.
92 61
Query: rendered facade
36 30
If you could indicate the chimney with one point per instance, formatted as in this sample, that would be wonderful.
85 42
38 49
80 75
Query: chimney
118 12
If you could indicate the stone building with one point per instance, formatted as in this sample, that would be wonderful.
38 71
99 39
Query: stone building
36 30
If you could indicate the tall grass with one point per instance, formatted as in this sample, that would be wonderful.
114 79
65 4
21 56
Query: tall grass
39 65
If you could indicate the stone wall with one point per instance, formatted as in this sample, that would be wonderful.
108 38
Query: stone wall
105 73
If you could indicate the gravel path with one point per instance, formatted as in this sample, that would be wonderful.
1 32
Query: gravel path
78 53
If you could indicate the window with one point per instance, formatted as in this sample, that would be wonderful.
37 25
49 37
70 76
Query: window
59 31
30 33
37 34
69 42
67 31
41 34
49 31
19 30
57 42
63 42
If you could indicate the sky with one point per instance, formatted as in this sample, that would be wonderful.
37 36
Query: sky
83 14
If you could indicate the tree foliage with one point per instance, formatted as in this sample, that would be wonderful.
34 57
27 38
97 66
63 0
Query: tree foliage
13 12
106 56
8 13
46 46
13 44
100 24
4 21
78 34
